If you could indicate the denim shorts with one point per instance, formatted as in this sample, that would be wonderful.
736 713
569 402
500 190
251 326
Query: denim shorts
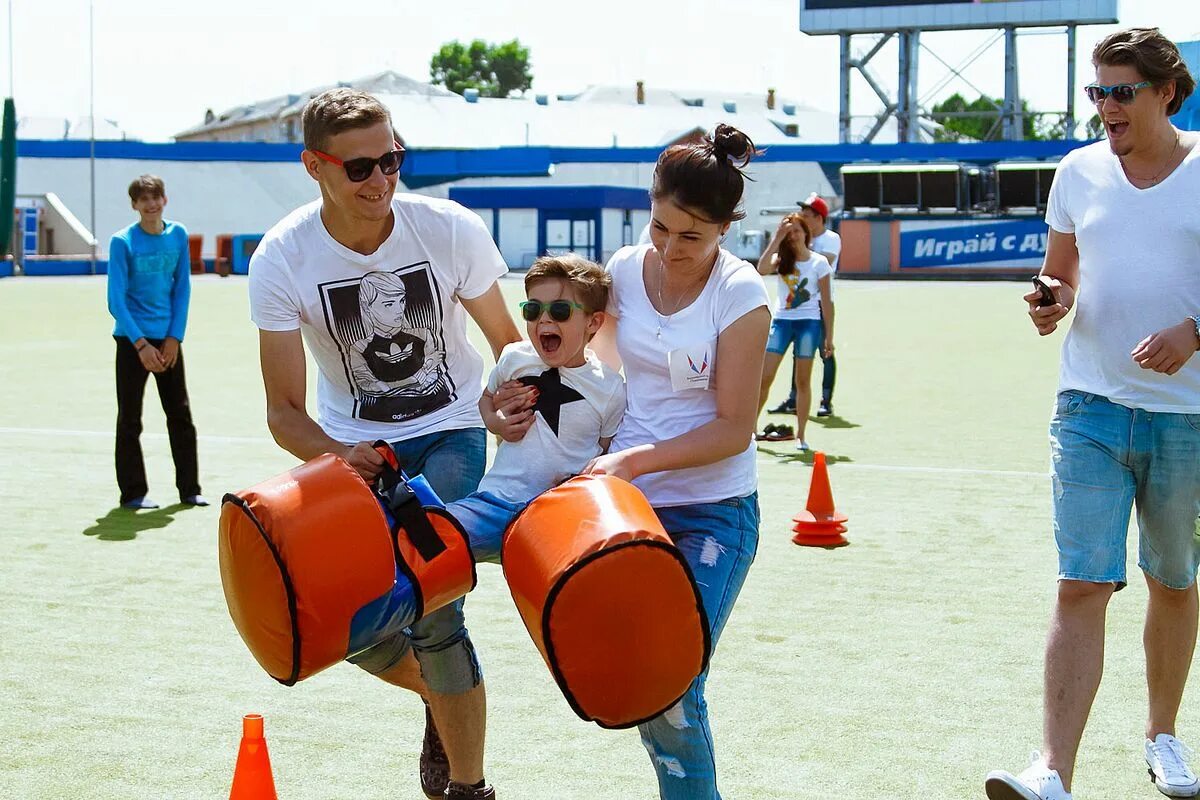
1108 459
453 463
804 335
485 517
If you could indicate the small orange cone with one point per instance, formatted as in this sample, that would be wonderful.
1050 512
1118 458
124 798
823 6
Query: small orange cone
252 778
820 524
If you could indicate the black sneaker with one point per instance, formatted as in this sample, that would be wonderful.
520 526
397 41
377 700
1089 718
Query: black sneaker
825 409
435 766
457 791
785 407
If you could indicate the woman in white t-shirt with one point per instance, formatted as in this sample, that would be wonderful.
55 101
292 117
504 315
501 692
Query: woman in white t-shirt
803 316
688 321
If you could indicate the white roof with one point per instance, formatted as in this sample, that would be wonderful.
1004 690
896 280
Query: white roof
60 128
453 122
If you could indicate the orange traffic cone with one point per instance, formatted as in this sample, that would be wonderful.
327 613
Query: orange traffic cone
820 524
252 778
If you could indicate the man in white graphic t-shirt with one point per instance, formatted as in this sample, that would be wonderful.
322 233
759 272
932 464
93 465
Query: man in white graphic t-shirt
1123 248
379 287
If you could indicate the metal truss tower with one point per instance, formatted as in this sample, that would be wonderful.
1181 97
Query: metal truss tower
905 108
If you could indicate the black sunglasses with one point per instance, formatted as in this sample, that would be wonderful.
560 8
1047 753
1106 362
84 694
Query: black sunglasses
1123 93
359 169
560 310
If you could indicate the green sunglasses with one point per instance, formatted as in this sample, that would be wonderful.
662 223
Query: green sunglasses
560 310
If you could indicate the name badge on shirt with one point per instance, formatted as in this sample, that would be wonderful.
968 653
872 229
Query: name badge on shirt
691 367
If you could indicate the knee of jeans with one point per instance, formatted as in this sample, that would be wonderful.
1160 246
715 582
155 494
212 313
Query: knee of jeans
453 669
440 628
676 739
678 756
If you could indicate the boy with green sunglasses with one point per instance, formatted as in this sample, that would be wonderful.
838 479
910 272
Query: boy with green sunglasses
575 401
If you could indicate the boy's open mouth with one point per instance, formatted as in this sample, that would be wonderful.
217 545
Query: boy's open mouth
550 342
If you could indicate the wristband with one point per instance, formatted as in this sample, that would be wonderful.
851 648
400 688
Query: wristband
1196 322
141 347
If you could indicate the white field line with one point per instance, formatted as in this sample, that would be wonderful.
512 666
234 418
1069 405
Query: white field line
58 432
255 440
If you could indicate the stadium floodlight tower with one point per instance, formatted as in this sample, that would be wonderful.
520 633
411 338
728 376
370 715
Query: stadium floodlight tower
906 19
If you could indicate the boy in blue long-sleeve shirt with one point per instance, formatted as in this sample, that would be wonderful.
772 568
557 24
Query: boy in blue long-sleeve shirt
148 293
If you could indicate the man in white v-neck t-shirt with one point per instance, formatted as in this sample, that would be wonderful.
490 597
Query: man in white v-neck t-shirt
1124 253
379 286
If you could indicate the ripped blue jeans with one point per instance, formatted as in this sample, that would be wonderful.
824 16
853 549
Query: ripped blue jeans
719 541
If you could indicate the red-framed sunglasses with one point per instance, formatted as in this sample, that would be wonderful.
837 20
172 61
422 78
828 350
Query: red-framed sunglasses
359 169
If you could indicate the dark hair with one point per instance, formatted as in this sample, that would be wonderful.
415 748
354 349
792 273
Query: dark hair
339 110
706 177
787 251
590 280
146 184
1154 56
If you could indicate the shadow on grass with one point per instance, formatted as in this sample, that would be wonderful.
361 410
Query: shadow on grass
792 456
123 524
834 421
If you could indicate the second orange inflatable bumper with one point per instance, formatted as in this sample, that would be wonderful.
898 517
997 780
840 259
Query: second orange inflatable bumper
608 599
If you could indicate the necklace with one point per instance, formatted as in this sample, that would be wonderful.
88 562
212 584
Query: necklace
662 303
1154 180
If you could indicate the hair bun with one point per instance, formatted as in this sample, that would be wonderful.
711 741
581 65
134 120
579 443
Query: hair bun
731 145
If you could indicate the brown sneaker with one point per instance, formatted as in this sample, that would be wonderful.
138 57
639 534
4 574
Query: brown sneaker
435 767
457 791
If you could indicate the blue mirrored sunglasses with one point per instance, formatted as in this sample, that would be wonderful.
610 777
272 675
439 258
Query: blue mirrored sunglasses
1123 93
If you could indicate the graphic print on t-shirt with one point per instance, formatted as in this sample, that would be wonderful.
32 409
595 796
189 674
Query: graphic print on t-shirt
798 293
388 327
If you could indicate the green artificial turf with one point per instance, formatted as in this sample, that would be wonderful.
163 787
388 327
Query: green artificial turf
904 666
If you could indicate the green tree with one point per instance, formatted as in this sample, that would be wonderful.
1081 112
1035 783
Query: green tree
496 70
985 128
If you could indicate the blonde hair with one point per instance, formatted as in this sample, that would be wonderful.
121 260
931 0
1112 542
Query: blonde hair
371 286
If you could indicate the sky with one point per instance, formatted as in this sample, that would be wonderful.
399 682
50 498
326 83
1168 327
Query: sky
159 65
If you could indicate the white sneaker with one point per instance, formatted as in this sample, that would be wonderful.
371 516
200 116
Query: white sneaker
1038 782
1166 758
802 446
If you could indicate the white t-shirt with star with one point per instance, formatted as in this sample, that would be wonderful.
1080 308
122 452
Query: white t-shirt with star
576 408
387 330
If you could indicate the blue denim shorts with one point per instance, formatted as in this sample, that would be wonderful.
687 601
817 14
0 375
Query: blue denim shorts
485 517
1108 459
804 335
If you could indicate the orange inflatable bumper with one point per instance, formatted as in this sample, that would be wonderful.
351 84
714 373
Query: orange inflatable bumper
608 599
317 567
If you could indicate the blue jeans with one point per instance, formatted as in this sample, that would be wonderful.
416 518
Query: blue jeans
453 463
718 541
1106 458
485 517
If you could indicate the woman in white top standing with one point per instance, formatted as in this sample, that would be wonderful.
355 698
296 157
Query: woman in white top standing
689 322
804 316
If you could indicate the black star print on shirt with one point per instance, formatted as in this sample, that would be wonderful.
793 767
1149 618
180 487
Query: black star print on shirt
552 395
